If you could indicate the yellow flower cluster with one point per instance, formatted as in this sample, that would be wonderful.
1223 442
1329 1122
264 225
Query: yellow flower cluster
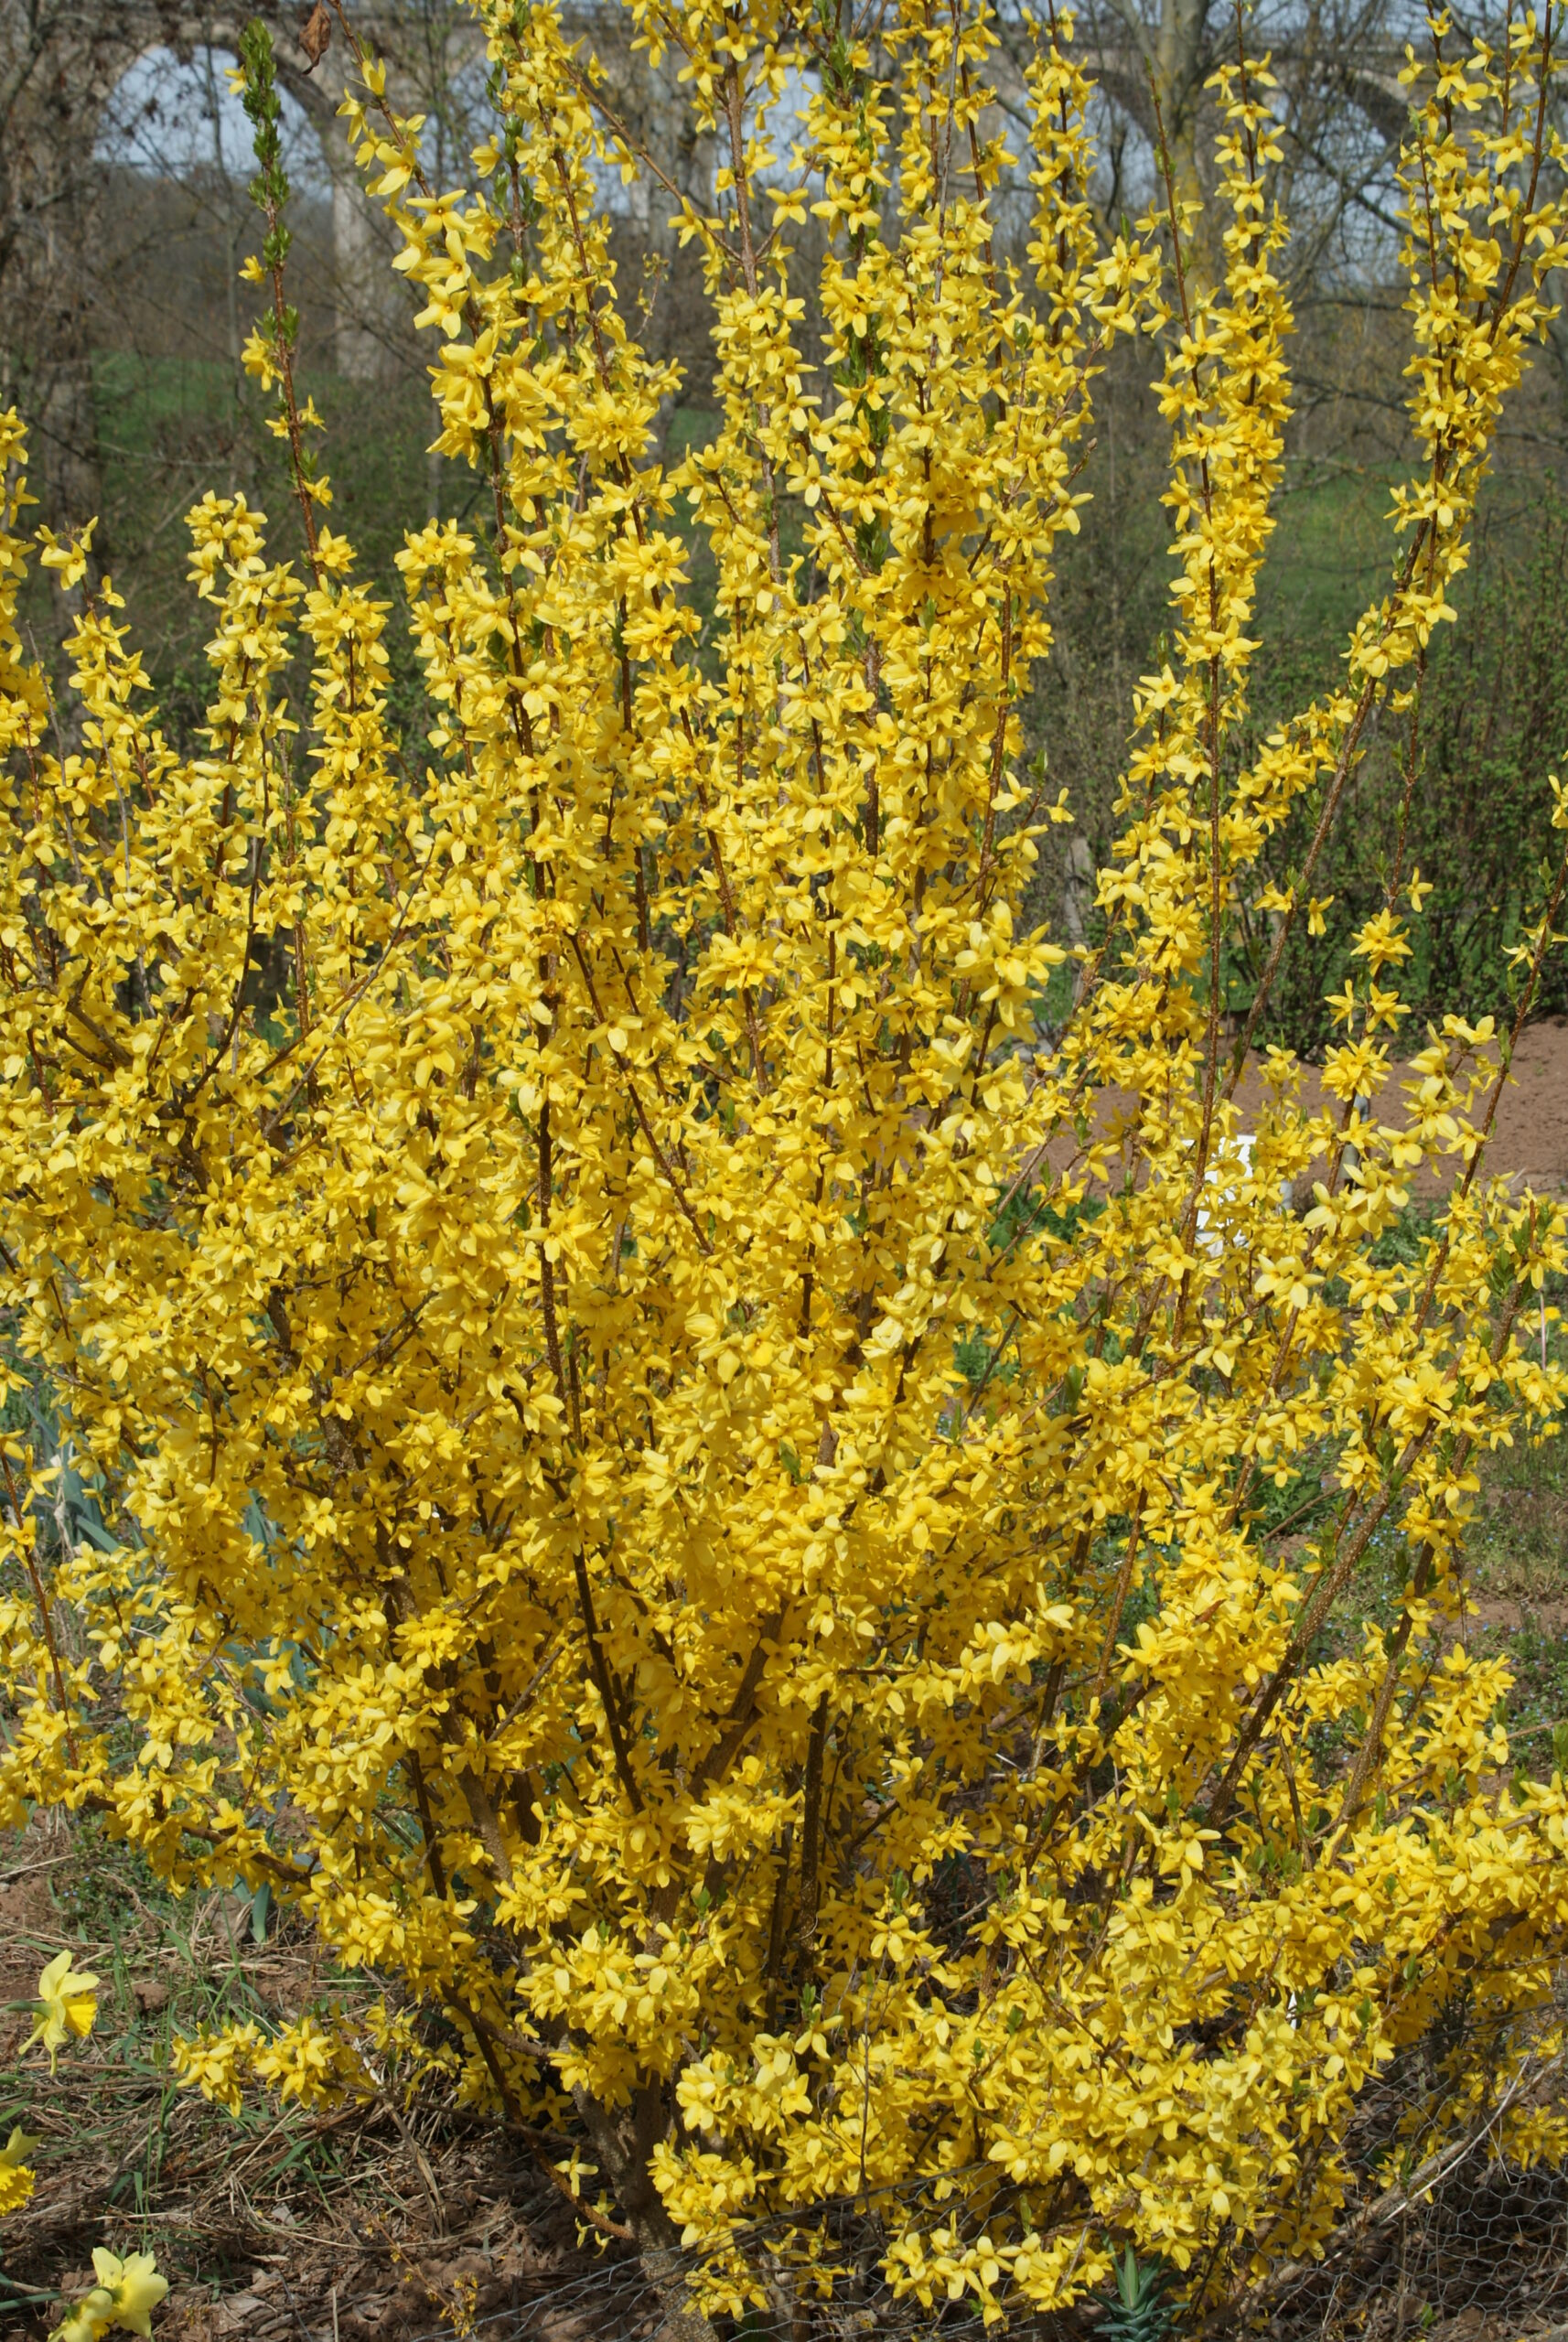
672 1476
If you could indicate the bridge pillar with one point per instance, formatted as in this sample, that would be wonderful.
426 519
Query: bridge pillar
365 316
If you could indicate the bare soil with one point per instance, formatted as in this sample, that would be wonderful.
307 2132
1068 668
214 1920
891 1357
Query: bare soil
1532 1134
372 2223
1529 1132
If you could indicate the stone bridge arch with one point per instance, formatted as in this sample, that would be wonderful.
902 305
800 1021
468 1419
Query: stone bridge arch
368 298
62 60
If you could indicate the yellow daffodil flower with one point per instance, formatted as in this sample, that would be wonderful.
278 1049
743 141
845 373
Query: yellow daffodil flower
67 2005
17 2178
126 2293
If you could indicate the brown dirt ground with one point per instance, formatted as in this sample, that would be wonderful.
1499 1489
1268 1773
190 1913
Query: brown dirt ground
1532 1136
1529 1134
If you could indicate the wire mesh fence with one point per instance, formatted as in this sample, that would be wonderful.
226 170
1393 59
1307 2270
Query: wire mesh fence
1480 2255
1468 2246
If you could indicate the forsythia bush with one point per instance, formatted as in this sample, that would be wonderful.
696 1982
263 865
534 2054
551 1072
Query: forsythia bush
694 1491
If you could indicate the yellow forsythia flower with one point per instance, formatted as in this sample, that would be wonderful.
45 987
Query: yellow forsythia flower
68 561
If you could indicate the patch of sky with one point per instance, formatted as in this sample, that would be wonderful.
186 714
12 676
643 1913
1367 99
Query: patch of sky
780 123
174 117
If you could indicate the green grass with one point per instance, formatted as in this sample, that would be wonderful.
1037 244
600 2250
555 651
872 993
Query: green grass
1333 550
1517 1560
